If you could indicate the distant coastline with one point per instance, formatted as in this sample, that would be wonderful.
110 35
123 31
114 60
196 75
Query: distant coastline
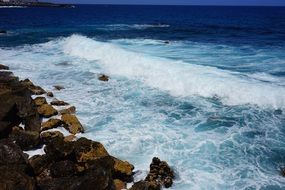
34 4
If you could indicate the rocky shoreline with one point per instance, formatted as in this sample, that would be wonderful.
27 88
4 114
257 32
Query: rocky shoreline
28 118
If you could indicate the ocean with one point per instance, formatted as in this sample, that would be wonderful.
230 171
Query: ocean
200 87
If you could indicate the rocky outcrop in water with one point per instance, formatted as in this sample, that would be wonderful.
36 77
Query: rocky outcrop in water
68 162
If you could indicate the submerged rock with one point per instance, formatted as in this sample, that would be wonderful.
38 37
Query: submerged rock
47 111
59 103
57 87
51 123
104 78
72 124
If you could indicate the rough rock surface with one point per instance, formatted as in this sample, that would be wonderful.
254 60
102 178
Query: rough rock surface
72 124
47 137
50 94
104 78
123 170
40 101
35 90
27 140
51 123
47 111
3 67
70 110
58 87
59 103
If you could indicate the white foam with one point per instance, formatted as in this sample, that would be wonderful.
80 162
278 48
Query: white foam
176 77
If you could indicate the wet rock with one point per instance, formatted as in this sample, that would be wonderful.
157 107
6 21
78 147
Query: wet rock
123 170
160 173
27 140
69 138
104 78
70 110
58 149
47 111
39 163
47 137
35 90
40 101
51 123
50 94
15 179
145 185
282 171
4 67
86 150
119 185
16 105
64 168
57 87
59 103
72 124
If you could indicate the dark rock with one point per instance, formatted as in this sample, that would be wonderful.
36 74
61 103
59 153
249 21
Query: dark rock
51 123
27 140
86 150
15 179
47 137
50 94
104 78
47 111
40 101
35 90
59 103
3 32
16 105
64 168
72 124
69 138
145 185
39 163
123 170
57 87
58 149
70 110
119 185
3 67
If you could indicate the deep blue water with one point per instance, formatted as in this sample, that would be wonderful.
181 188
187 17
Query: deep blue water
201 87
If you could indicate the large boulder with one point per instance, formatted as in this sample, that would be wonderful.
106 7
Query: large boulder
35 90
72 124
65 168
27 140
58 149
123 170
86 150
49 136
47 111
70 110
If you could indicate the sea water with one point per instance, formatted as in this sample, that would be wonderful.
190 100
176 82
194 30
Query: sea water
200 87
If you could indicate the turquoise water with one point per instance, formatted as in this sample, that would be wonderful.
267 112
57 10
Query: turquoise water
209 102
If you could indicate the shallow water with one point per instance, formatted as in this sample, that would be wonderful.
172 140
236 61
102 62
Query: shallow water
208 107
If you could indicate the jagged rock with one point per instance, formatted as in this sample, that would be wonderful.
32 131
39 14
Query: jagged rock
47 110
51 123
99 179
58 149
57 87
119 185
69 138
160 173
72 124
104 78
64 168
39 163
70 110
27 140
145 185
50 94
123 170
35 90
16 105
15 179
59 103
86 150
11 154
47 137
3 67
40 101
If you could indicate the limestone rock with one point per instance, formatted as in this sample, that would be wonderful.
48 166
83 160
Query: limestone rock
70 110
51 123
40 101
72 124
47 110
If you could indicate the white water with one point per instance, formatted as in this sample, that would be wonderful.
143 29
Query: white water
151 107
